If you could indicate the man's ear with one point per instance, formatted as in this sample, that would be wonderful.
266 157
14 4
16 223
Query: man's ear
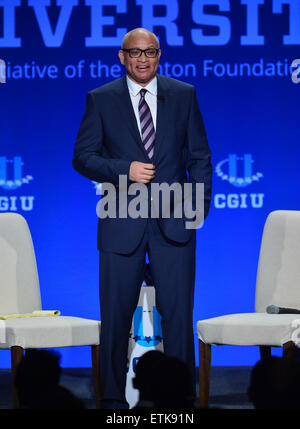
121 56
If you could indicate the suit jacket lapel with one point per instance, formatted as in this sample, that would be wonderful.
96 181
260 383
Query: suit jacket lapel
126 109
132 118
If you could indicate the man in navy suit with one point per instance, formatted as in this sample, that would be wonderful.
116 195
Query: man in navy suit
148 128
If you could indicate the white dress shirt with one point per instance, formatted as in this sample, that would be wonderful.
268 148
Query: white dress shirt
150 97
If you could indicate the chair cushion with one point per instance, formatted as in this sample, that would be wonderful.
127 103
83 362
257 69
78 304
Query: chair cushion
48 332
250 329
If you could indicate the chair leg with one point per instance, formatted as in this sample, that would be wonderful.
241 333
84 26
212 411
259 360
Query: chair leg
265 352
96 374
289 350
16 354
204 373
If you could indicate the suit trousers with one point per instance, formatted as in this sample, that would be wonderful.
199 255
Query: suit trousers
121 275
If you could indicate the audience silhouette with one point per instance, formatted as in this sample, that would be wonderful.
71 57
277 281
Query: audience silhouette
145 380
37 382
274 384
163 382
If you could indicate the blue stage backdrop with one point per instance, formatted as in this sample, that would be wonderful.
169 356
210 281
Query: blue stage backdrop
239 55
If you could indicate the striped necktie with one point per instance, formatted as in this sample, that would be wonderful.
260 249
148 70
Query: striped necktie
147 126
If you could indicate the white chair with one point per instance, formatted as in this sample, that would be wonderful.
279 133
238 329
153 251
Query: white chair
277 283
20 293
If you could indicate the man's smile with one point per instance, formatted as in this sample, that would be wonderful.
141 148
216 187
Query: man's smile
142 67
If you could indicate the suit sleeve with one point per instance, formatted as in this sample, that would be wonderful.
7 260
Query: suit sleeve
88 158
198 154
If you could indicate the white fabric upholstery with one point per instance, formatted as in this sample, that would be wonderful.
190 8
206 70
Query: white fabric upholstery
277 283
249 329
19 284
47 332
20 293
278 274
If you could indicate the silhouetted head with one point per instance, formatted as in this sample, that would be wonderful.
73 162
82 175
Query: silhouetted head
146 374
37 382
175 385
39 368
164 380
274 384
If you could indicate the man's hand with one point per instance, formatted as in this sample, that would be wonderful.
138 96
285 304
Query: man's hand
141 172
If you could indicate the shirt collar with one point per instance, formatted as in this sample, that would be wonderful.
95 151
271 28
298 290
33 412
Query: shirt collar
135 88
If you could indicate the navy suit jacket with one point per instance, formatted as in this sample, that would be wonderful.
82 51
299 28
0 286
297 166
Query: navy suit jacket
108 141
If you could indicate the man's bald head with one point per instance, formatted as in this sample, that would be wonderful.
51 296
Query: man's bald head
131 35
140 68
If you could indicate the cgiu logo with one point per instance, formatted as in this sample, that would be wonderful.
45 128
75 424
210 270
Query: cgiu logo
138 328
11 179
238 171
17 180
232 174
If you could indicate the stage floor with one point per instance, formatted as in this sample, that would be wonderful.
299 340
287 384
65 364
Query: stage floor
228 388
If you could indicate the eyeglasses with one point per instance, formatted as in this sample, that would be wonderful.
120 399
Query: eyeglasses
136 52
